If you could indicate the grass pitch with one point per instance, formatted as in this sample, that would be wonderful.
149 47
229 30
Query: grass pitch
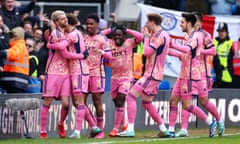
197 136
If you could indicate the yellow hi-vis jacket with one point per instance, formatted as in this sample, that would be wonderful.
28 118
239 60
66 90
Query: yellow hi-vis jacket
223 51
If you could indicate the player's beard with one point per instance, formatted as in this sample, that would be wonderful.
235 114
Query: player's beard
63 25
184 29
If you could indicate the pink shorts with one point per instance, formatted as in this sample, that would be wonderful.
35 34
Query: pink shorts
56 86
146 86
79 84
200 88
182 89
96 84
209 84
121 85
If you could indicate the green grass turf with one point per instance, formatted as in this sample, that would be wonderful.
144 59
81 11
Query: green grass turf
197 136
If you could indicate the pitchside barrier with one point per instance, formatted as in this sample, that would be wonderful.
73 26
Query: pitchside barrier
12 126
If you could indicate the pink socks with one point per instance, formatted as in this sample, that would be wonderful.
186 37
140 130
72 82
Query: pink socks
44 117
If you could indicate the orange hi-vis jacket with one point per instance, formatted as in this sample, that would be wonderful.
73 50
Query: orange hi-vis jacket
236 58
17 58
16 67
137 65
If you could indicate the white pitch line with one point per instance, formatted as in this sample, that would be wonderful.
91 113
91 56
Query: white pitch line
154 139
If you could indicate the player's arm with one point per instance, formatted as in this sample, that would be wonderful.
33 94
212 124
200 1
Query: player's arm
106 51
69 55
136 34
174 53
182 48
60 45
209 48
151 47
81 51
148 49
106 31
210 51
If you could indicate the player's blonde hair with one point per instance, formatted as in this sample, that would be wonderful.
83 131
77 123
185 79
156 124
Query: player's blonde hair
55 15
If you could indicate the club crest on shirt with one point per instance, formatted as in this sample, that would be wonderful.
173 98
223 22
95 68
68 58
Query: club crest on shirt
169 21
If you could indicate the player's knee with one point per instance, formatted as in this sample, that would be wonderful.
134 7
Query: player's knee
187 107
146 103
203 101
47 101
119 101
97 102
65 105
173 101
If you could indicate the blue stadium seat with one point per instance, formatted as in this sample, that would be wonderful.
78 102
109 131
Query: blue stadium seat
165 85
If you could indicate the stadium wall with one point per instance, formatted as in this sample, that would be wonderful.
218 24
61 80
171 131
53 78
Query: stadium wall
12 126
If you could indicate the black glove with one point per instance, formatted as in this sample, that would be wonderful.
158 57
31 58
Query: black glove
113 28
85 54
124 28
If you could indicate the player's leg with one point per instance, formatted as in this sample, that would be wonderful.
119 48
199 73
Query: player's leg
131 98
65 93
173 107
183 132
213 110
119 102
187 104
147 104
44 114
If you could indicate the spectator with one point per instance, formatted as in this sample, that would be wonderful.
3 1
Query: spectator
102 24
31 47
236 8
4 38
38 34
4 44
221 7
34 84
27 26
12 14
35 21
222 62
16 69
38 37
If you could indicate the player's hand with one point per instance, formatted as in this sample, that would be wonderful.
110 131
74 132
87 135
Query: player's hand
98 51
41 77
145 31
